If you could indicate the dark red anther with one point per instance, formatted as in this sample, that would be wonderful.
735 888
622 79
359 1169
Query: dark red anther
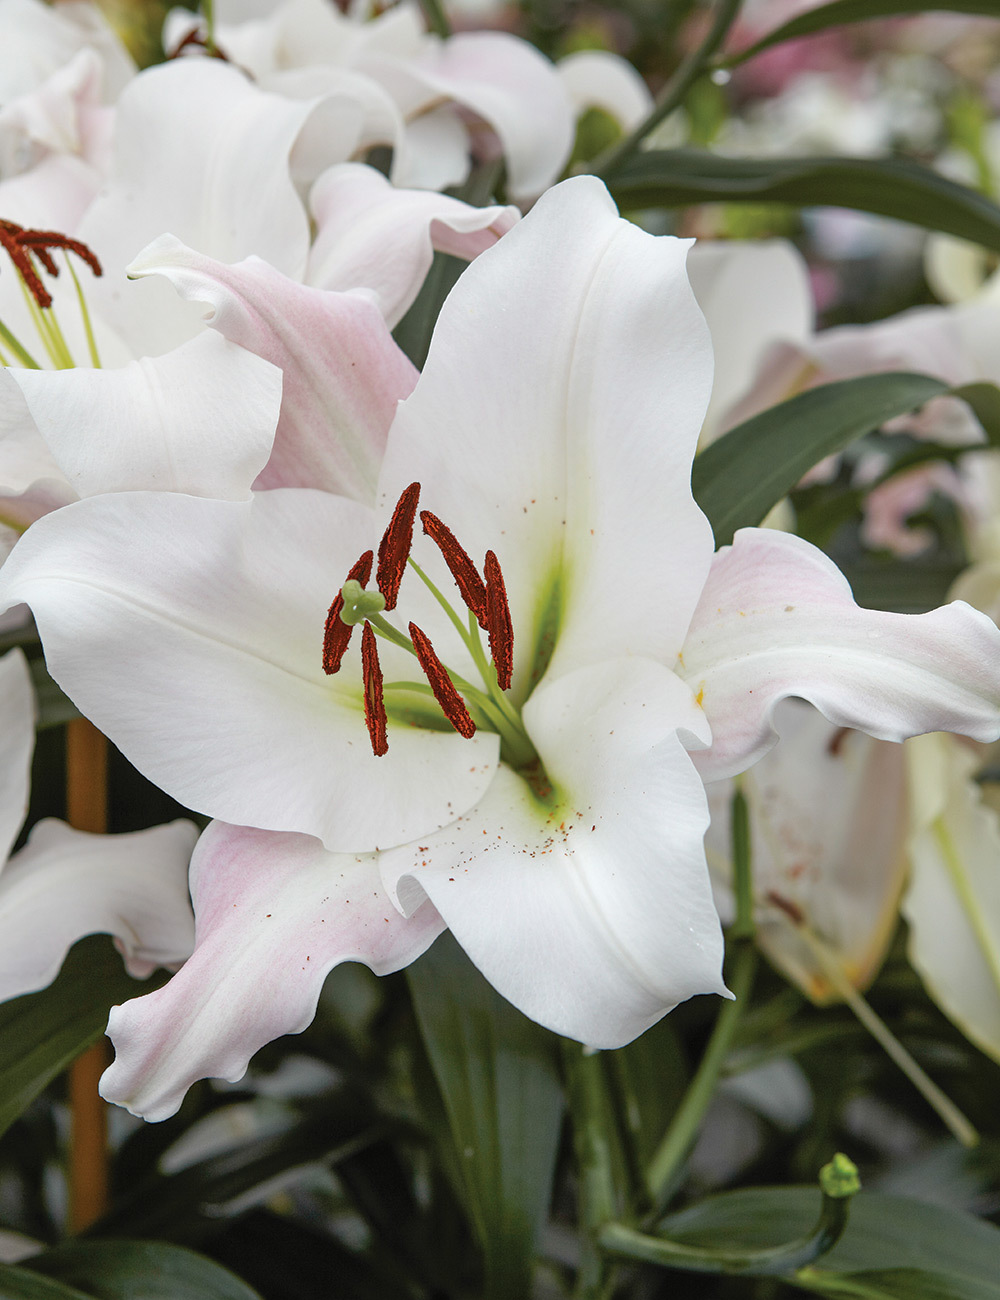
394 548
196 40
371 672
21 245
465 573
498 624
452 704
337 633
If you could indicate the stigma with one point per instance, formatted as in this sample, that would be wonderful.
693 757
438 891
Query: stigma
484 595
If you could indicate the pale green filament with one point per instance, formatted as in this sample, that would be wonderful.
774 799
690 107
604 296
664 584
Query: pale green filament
88 328
490 707
18 349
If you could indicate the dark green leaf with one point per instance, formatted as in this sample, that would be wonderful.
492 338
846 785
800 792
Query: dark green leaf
43 1032
737 479
889 187
128 1270
19 1284
883 1233
856 11
499 1078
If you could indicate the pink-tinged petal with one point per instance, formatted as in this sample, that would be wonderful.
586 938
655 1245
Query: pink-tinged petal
555 423
65 884
600 79
191 632
503 80
593 912
17 744
373 235
275 913
200 419
204 154
343 374
952 905
828 825
777 618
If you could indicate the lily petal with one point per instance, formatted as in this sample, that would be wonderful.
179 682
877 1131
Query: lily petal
592 912
575 351
275 913
342 373
777 618
600 79
65 884
199 419
191 630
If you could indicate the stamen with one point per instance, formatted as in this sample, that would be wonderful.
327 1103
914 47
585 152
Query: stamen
22 244
462 569
371 672
195 39
498 624
394 548
452 704
336 633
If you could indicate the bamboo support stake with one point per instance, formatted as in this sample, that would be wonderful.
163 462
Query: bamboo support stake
87 810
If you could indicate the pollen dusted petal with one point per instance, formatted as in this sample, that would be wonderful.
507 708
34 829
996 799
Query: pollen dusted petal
462 569
394 548
337 633
501 632
371 671
452 704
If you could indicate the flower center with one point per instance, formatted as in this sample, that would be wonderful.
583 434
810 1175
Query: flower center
466 707
31 252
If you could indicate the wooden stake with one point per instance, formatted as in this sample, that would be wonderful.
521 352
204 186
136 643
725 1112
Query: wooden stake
87 810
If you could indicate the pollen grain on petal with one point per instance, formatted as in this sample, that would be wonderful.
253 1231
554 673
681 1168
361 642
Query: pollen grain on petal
371 671
466 576
452 704
501 632
394 548
337 633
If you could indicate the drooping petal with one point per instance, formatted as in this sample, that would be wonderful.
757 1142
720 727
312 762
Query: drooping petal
592 911
777 618
17 744
372 235
555 422
275 913
342 373
199 419
952 904
191 632
65 884
828 824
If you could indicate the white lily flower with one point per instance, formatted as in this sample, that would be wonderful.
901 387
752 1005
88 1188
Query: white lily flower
545 807
64 884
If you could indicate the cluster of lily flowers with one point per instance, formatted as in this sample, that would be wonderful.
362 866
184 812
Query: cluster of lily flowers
214 459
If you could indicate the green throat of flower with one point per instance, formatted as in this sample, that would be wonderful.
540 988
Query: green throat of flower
31 253
466 707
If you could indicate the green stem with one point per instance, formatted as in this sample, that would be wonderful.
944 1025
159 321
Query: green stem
743 927
675 91
589 1106
838 1181
208 12
683 1129
436 18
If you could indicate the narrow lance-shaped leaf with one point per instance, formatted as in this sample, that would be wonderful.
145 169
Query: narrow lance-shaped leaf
887 186
498 1075
154 1270
737 479
855 11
